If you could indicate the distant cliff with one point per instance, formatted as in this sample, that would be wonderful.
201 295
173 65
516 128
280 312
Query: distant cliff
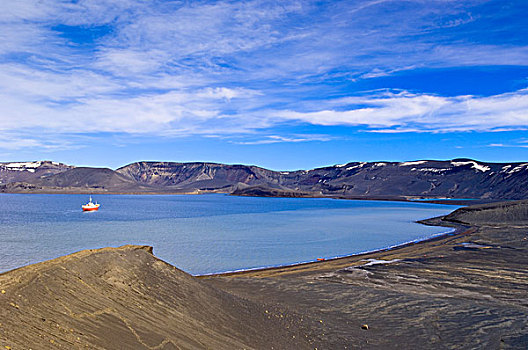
458 178
203 177
461 178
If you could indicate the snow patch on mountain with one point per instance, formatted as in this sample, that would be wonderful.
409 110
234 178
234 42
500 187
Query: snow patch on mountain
21 166
418 162
517 168
432 170
360 165
474 165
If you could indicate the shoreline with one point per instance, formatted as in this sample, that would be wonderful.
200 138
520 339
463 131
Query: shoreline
458 231
466 287
454 232
309 259
409 198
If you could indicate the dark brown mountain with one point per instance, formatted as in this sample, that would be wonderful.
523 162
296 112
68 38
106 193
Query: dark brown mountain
458 178
461 178
30 171
82 179
204 177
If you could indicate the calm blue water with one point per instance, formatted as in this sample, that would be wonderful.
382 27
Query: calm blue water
207 233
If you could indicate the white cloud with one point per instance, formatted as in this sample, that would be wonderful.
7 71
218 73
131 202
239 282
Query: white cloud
16 141
226 93
407 112
200 112
279 139
513 144
227 68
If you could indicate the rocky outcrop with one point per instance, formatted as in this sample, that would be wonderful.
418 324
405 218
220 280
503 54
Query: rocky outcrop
264 191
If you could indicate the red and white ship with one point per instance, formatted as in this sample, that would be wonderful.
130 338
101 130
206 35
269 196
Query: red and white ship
91 206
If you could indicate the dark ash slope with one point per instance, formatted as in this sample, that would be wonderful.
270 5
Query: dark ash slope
125 298
456 292
513 213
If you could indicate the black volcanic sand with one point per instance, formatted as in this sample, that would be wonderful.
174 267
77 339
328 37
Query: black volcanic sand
465 291
125 298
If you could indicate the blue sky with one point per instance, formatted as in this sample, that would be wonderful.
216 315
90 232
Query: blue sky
281 84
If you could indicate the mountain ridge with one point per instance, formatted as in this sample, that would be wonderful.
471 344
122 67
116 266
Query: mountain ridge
456 178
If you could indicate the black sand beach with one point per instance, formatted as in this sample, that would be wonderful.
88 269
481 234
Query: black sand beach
464 291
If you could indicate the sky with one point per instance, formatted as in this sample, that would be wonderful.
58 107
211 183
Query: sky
280 84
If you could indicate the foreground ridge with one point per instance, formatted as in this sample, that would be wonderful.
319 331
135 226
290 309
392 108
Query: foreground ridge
126 298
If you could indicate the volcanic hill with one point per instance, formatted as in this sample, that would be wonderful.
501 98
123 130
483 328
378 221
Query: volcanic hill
458 178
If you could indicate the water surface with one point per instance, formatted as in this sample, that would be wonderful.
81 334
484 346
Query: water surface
207 233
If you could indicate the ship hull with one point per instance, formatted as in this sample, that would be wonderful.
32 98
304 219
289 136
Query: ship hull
90 208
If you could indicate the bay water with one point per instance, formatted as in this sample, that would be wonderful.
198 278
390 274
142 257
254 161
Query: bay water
203 234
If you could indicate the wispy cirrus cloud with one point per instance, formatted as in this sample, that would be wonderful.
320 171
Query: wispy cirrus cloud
410 112
520 143
12 141
268 139
178 69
